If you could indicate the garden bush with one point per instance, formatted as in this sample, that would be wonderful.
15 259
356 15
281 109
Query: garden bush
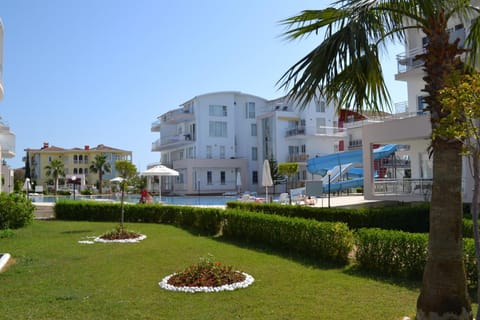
320 240
16 211
204 220
403 217
393 253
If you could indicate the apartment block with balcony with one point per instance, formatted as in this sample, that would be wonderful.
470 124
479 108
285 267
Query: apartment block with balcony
7 137
410 129
214 138
76 163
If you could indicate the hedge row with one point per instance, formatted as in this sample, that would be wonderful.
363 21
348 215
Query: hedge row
204 220
402 254
328 241
403 217
320 240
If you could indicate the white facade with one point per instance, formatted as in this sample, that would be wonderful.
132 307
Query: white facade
411 128
213 139
7 137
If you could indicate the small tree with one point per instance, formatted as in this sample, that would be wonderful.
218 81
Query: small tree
461 101
127 171
288 169
101 166
55 169
274 172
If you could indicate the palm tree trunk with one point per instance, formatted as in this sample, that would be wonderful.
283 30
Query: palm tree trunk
444 286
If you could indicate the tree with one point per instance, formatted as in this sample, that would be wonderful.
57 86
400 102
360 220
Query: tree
55 169
276 177
101 166
288 169
346 67
461 101
127 171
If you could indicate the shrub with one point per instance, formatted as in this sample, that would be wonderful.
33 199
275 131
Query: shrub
16 211
404 217
393 253
327 241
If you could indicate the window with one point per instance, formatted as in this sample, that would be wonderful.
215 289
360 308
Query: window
222 152
85 171
209 177
218 129
75 171
303 149
217 111
209 152
80 171
80 159
85 159
250 110
75 159
254 154
255 177
320 105
321 125
421 104
222 177
253 129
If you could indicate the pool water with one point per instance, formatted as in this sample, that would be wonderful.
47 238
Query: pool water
177 200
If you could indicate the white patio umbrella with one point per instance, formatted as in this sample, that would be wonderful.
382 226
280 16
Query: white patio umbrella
160 171
239 181
117 179
267 180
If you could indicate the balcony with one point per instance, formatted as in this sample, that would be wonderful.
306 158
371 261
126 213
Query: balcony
301 157
155 126
7 141
172 141
407 61
175 116
295 131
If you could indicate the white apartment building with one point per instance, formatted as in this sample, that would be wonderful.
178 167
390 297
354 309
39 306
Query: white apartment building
410 129
7 137
218 141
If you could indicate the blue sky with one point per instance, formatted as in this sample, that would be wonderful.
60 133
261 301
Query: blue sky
95 72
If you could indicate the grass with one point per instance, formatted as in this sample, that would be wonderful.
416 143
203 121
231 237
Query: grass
55 277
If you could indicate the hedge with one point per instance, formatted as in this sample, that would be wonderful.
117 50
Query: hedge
205 220
320 240
403 254
403 217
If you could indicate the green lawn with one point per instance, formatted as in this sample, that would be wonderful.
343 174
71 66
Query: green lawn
55 277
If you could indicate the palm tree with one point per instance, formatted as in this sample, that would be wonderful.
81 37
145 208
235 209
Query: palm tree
101 166
346 67
55 169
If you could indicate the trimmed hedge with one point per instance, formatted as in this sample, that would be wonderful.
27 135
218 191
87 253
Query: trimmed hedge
403 217
320 240
16 211
394 253
205 220
403 254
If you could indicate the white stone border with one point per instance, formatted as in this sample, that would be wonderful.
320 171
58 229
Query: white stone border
227 287
3 260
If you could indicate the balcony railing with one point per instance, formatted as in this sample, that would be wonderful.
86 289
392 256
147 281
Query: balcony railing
171 141
175 116
316 131
407 61
301 157
408 187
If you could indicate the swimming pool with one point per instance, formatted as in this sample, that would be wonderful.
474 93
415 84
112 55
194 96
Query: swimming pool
177 200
